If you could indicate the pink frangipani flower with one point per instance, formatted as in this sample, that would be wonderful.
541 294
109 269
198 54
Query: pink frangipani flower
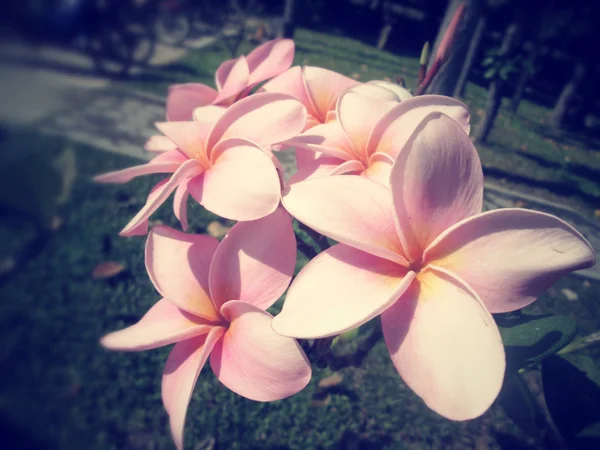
234 78
215 297
368 134
222 160
423 256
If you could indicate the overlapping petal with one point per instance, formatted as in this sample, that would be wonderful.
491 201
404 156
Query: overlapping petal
178 265
190 138
395 128
254 361
188 169
180 375
446 346
231 80
184 98
158 143
324 87
242 183
255 261
180 203
291 83
167 162
265 119
328 139
163 324
436 182
511 256
320 167
352 210
270 59
380 168
142 228
340 289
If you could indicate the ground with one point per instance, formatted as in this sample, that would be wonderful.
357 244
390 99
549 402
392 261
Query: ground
60 390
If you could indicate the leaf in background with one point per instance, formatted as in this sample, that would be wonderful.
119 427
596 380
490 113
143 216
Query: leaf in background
107 269
529 338
331 381
572 391
66 166
217 230
518 404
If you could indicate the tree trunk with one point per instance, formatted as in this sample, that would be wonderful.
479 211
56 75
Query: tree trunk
522 83
558 113
511 37
288 23
446 80
459 90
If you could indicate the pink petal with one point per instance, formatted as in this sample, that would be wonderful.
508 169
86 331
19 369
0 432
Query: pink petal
291 83
159 143
511 256
348 167
350 209
190 137
142 228
254 361
167 162
395 128
265 119
328 139
340 289
380 168
436 182
231 80
180 375
374 91
304 157
255 261
180 203
446 346
209 114
163 324
323 166
358 115
400 92
184 98
178 265
324 86
188 169
242 183
270 59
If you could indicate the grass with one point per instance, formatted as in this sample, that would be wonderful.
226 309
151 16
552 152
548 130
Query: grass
60 390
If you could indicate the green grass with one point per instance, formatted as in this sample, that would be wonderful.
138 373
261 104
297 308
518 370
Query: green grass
60 390
523 150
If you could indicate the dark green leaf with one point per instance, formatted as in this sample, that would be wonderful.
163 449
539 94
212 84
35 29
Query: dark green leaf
489 73
530 338
572 391
518 404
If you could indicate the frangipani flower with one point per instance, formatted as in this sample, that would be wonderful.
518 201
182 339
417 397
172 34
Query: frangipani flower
215 301
234 79
223 162
424 257
368 134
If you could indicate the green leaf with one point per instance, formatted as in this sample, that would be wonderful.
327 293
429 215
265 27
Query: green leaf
490 73
518 403
572 390
530 338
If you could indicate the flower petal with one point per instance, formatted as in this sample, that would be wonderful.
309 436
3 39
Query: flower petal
167 162
159 143
322 166
400 92
180 204
265 118
242 183
190 137
395 128
255 261
328 139
180 375
358 115
324 86
350 209
436 182
142 228
209 114
380 168
184 98
188 169
178 265
270 59
446 346
291 83
340 289
232 78
374 91
163 324
254 361
511 256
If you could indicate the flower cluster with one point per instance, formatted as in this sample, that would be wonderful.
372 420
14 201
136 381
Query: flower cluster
393 179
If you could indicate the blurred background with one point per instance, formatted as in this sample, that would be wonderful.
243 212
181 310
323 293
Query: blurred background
82 83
